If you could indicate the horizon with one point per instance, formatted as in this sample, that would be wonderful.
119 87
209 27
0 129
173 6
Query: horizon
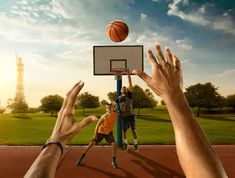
55 40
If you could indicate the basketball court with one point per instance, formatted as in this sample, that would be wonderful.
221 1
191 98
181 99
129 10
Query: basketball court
151 161
158 161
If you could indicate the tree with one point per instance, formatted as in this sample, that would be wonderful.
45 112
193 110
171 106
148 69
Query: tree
230 100
86 100
142 99
51 103
163 103
112 96
18 106
203 95
9 102
151 101
103 102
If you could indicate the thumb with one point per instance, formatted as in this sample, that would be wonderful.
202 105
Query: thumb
84 122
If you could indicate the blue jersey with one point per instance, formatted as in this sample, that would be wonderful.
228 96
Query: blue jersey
125 104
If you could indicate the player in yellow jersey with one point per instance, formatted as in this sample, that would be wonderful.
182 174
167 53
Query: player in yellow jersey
104 129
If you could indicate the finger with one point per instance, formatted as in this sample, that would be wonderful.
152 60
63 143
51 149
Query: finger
84 122
68 94
159 54
73 95
152 59
169 56
176 62
142 75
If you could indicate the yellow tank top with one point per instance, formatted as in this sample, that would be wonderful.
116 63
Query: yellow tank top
108 124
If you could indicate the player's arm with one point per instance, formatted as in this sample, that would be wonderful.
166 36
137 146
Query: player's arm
99 123
194 151
64 130
130 88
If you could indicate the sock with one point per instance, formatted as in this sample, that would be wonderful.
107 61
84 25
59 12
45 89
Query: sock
83 155
135 141
125 141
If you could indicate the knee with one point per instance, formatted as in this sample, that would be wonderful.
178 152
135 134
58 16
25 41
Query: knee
134 131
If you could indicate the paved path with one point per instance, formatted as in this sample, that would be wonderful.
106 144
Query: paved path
156 161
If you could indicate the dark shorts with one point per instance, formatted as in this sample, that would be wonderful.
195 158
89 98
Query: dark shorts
128 122
109 138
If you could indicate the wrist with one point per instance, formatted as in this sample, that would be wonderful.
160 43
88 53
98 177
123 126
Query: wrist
57 138
52 144
175 98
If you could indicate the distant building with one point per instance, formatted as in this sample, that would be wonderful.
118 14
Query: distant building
19 96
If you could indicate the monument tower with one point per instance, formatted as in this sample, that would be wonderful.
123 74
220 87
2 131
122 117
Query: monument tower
20 76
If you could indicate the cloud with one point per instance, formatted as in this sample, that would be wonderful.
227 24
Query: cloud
229 73
149 38
183 44
143 16
202 15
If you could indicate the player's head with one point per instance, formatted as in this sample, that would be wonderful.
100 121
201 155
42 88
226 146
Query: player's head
124 90
109 107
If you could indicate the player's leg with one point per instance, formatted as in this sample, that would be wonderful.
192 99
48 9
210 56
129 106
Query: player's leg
114 154
110 139
124 129
132 122
92 143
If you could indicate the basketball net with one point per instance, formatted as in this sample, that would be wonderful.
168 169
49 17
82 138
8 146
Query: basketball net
118 73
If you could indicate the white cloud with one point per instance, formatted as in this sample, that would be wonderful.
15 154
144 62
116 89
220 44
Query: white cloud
22 2
194 17
183 44
202 9
60 8
143 16
149 38
199 16
229 73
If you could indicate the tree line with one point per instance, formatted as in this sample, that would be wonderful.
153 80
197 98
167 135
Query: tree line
199 95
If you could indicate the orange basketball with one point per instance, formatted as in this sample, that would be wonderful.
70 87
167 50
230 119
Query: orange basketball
117 30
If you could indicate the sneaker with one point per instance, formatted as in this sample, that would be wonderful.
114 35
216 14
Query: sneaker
114 164
136 148
125 147
80 160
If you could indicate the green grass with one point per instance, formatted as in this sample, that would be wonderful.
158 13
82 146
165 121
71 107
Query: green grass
153 127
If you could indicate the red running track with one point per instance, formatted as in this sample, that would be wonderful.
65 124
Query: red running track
156 161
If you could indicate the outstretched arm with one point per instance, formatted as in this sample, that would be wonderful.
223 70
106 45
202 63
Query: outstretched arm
130 88
101 121
64 130
194 151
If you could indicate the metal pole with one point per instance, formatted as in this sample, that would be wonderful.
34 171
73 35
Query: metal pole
119 124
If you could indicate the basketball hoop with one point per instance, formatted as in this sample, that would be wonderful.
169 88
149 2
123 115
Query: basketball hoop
118 73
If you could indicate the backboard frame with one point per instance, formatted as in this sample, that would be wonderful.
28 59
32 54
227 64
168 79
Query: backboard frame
113 59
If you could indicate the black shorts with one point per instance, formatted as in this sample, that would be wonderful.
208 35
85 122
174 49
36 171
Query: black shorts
109 138
128 122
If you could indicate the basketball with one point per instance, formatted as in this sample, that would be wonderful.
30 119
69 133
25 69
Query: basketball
117 30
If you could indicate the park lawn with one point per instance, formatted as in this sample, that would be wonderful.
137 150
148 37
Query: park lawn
153 126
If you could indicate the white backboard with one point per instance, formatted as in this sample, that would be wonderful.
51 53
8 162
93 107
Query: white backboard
105 58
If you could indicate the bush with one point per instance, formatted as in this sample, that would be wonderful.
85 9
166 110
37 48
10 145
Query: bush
2 111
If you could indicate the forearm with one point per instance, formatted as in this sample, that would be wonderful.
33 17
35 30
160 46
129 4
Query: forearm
95 133
191 142
129 82
96 129
46 163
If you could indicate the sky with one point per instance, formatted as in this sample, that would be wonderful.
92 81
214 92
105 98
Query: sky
55 38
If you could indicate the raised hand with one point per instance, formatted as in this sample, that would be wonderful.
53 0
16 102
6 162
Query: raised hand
166 79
